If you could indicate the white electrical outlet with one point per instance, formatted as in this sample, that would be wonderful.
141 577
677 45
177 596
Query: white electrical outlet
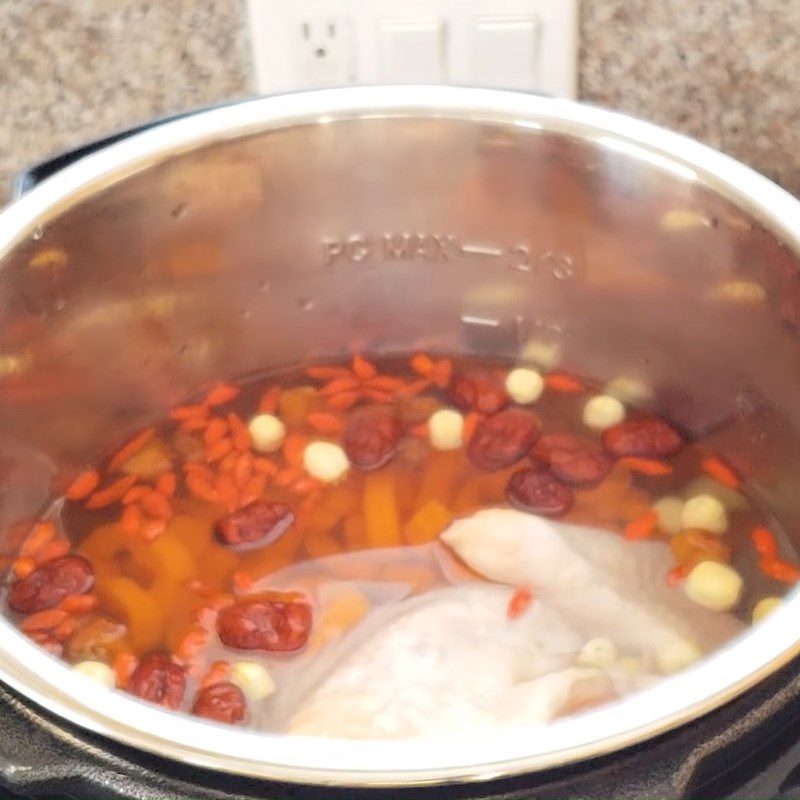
324 52
512 44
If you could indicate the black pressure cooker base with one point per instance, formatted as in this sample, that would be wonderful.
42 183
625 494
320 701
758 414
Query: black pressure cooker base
750 748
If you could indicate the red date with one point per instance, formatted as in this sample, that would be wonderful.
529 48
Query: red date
647 438
503 439
480 391
48 585
158 679
255 623
371 437
256 525
540 492
221 702
572 460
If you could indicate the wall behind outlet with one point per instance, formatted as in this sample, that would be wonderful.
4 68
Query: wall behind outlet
725 71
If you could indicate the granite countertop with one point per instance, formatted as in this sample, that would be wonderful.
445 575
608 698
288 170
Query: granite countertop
725 71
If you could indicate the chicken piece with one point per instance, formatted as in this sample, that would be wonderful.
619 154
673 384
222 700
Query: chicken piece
443 663
605 585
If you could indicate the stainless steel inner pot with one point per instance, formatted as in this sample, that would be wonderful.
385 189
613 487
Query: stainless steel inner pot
390 219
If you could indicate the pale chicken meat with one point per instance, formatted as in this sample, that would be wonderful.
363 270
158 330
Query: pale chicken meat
452 660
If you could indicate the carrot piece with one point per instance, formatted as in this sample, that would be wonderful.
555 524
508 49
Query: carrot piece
362 368
325 423
642 527
380 510
216 429
124 666
646 466
239 433
152 529
219 450
242 580
43 620
78 603
470 424
129 449
327 373
201 488
779 570
518 603
717 469
220 394
23 566
355 532
422 365
264 466
192 425
343 400
442 372
155 505
764 542
420 431
385 383
166 483
134 494
268 404
217 672
41 534
293 447
131 519
348 607
52 550
440 477
561 382
242 470
185 413
111 493
319 544
339 385
427 523
83 485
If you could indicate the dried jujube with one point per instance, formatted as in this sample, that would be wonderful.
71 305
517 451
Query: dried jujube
257 623
50 583
158 679
258 524
479 390
503 439
221 702
371 436
537 490
572 460
645 438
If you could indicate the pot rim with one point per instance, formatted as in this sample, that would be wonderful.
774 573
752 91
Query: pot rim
715 680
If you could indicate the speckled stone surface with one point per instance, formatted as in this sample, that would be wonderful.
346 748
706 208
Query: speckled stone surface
73 70
725 71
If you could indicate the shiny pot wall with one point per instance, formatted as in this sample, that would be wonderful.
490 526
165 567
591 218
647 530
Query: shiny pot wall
387 219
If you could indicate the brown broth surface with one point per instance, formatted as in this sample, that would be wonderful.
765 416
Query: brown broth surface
161 577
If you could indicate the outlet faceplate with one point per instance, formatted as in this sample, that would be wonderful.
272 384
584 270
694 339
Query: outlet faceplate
512 44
